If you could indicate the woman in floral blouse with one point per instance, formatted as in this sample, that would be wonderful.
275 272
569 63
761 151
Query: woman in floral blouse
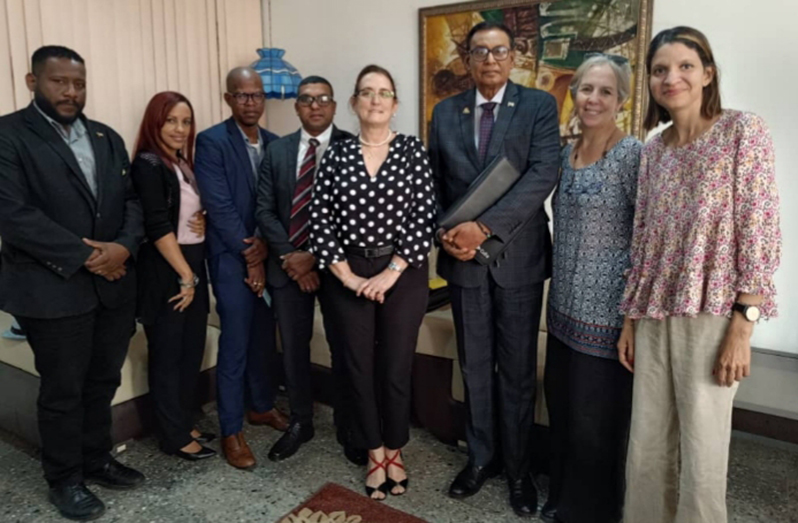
706 243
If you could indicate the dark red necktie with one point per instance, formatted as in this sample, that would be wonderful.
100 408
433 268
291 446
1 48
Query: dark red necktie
300 213
485 129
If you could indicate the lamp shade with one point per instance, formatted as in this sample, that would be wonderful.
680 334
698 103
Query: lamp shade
280 79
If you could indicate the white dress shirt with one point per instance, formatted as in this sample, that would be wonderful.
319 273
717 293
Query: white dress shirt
497 99
304 144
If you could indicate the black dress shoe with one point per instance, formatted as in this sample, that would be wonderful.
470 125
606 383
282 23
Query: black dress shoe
523 496
356 456
549 512
205 437
202 453
77 502
470 480
114 475
289 443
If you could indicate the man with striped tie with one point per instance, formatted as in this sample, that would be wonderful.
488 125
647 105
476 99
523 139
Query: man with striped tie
226 164
285 187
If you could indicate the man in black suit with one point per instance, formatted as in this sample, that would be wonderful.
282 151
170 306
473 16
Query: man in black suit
285 185
497 308
70 223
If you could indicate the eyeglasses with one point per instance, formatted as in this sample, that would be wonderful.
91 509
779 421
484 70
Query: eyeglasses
480 54
616 58
306 100
368 94
243 98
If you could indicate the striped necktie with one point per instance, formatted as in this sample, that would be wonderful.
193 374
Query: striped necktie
300 213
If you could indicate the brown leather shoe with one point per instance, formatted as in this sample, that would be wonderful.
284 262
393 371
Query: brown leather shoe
237 451
273 418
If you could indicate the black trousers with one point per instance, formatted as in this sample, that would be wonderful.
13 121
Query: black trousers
176 345
590 403
379 341
497 343
79 359
295 312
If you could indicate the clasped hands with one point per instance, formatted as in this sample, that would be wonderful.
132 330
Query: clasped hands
373 288
107 259
461 241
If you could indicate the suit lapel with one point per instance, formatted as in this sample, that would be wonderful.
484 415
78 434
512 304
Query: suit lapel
502 122
99 143
467 126
292 151
237 140
42 127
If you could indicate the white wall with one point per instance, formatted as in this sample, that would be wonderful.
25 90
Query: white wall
755 45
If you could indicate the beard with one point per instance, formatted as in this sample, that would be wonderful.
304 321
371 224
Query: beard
49 109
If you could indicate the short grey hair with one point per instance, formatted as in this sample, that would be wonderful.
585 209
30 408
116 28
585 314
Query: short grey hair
623 75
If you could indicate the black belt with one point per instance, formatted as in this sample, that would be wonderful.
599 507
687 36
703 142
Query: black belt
370 252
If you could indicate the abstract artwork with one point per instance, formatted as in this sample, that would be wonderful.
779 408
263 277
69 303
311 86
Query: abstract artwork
551 40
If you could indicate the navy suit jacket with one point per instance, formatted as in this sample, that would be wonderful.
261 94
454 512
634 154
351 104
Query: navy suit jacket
527 132
276 185
227 187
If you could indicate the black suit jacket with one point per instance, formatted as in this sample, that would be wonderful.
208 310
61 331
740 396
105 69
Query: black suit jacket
527 132
276 184
46 208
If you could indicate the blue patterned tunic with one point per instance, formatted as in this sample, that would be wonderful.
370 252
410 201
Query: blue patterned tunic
593 216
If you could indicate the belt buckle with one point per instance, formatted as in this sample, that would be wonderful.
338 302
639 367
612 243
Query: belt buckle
371 253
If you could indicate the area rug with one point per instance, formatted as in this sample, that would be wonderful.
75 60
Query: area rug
336 504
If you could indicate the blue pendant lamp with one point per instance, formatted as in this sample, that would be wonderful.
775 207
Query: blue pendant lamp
280 79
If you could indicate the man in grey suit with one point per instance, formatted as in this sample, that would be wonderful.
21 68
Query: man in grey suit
285 185
497 307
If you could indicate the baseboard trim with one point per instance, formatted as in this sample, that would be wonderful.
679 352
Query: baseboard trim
767 425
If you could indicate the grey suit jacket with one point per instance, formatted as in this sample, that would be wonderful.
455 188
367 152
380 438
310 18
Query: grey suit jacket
527 132
276 184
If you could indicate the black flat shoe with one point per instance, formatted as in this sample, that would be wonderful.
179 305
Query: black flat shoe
289 443
115 476
523 497
205 437
76 502
470 480
203 453
549 513
354 454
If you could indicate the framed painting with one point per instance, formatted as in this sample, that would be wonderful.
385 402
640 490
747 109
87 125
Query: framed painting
551 40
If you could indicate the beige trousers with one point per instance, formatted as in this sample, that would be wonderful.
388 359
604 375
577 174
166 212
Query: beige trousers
681 423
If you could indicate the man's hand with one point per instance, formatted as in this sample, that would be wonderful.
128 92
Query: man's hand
466 236
457 253
256 252
111 257
197 224
115 275
297 264
256 278
310 282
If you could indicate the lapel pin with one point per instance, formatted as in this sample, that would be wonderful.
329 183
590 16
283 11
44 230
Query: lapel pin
124 172
466 111
510 104
100 134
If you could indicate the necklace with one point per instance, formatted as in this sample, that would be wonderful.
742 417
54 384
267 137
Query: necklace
367 144
606 146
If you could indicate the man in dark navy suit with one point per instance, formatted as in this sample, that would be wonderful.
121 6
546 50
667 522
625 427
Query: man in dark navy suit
497 307
71 225
284 187
226 165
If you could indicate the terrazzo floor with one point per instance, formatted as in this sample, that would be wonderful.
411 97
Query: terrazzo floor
763 482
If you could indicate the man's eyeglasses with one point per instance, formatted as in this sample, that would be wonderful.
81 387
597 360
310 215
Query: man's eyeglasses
243 98
306 100
368 94
480 54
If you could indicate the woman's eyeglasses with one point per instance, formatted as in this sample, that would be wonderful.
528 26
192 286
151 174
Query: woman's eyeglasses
368 94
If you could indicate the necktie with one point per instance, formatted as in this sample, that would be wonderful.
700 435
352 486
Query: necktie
485 129
300 213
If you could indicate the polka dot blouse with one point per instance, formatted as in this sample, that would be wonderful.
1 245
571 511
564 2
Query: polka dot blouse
351 209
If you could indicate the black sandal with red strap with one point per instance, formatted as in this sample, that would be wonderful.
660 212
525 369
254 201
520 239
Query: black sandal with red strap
391 482
383 487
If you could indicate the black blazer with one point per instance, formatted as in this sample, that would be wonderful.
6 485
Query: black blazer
159 191
527 132
46 208
276 184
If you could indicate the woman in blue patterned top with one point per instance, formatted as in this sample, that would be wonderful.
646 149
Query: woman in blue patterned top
588 392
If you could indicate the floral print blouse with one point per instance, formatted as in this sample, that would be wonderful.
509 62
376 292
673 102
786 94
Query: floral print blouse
706 224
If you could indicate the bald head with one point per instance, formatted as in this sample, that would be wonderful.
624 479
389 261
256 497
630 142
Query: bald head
242 75
245 96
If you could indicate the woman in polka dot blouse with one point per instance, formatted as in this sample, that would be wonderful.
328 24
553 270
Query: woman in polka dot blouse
371 225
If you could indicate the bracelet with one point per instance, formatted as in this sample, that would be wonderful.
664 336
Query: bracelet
484 230
393 266
189 285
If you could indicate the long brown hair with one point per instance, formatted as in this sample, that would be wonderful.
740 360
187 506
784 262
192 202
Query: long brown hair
697 41
154 119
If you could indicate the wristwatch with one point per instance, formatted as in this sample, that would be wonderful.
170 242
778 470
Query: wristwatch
395 267
190 285
749 312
